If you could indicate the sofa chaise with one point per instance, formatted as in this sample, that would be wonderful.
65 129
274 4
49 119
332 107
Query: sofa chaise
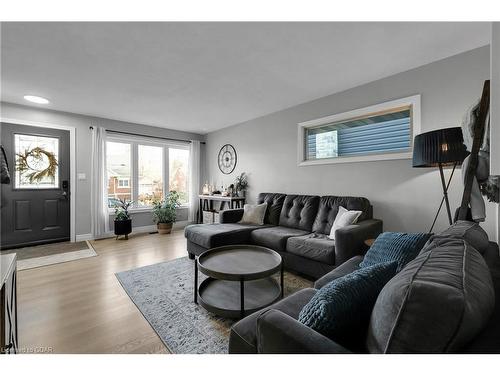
441 302
297 227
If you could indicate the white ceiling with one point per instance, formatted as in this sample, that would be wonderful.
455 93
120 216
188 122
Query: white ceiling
201 77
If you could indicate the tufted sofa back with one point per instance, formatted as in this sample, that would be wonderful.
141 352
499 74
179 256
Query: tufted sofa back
274 204
299 211
329 207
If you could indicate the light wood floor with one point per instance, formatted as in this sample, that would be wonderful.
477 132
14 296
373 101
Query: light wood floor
80 307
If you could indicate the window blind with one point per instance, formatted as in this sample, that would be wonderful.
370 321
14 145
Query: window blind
384 133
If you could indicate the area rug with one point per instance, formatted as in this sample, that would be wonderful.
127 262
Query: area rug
46 255
163 293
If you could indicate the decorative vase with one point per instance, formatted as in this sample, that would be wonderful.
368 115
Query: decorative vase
123 228
164 228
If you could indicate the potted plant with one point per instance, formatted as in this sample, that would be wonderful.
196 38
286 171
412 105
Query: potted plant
241 184
165 212
123 222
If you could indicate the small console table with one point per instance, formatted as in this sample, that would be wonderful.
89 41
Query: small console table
207 203
8 304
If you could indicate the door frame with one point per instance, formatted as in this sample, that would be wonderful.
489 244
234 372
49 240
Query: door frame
72 163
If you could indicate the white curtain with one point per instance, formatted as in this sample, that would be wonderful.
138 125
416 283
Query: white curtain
194 179
99 201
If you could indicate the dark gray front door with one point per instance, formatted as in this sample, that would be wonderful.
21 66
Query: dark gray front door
36 204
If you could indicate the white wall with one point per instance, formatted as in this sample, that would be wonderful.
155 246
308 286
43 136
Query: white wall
405 198
495 107
495 98
83 147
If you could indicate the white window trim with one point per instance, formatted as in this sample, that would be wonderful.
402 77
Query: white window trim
127 180
412 101
134 142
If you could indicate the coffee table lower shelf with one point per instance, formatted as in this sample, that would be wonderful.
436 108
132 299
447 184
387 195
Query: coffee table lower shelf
235 299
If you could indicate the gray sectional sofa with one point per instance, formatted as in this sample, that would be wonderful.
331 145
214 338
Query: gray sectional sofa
296 226
441 302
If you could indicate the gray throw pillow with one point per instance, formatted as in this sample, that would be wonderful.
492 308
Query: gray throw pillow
343 219
436 304
254 214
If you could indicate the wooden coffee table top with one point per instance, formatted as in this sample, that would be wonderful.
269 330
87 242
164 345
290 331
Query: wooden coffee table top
239 262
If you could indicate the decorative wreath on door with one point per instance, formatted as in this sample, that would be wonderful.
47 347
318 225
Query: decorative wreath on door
37 163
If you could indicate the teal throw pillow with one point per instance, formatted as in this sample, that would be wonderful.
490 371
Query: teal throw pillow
341 309
395 246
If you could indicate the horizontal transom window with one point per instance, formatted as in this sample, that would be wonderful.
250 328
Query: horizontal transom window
366 134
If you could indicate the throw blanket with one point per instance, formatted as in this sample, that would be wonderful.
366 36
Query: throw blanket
477 206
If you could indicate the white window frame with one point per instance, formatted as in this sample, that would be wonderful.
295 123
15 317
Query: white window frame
123 180
134 142
415 127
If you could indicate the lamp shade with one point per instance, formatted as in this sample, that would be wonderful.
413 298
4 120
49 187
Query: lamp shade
443 146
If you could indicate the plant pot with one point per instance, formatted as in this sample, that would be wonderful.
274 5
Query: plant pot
164 228
123 227
242 193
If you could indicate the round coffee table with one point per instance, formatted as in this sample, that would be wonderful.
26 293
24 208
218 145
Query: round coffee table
239 279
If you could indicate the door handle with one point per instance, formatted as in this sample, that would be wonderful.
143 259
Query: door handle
65 187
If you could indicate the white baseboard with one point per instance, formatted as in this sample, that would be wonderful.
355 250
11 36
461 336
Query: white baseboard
84 237
152 228
181 224
142 229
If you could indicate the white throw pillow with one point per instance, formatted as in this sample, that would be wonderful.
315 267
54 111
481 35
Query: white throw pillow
254 214
343 219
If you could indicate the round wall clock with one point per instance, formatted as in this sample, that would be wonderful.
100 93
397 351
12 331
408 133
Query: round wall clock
227 159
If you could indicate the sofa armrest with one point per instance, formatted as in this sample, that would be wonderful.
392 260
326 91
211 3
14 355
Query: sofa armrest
350 240
345 268
230 216
279 333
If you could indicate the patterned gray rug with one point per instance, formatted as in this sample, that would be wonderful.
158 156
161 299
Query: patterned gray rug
163 293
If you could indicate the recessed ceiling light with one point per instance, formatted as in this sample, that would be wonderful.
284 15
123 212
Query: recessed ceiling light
36 99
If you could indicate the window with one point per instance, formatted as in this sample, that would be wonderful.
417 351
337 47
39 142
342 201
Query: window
36 162
150 175
118 166
380 132
142 170
178 161
123 182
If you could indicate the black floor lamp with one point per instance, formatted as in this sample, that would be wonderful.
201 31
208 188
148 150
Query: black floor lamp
440 148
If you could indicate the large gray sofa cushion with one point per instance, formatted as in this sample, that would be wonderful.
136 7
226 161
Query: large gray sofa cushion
299 211
243 337
307 267
436 304
469 231
275 237
329 207
488 341
274 205
214 235
313 246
